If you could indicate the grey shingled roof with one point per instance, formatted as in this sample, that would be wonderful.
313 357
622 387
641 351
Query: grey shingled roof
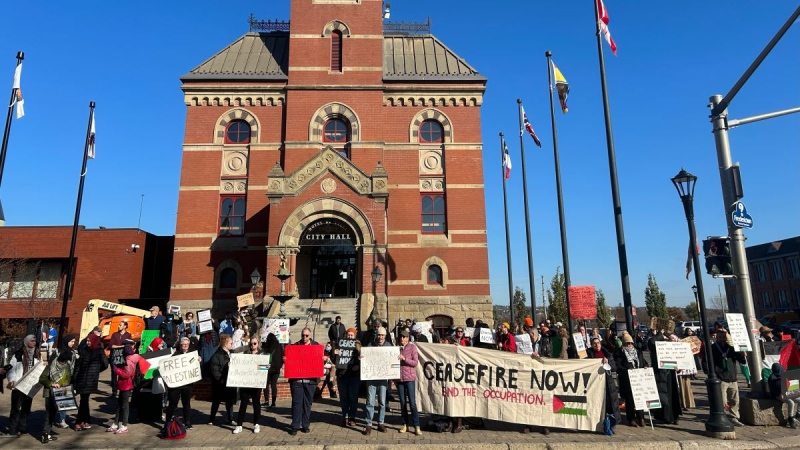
774 249
265 56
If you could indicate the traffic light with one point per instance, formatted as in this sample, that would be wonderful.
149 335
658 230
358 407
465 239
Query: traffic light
717 251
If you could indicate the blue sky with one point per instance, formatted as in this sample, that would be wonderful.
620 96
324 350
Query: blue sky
128 57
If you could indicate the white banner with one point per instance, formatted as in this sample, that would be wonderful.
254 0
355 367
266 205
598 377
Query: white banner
278 327
675 355
739 333
524 344
29 383
460 381
248 371
380 363
643 388
180 370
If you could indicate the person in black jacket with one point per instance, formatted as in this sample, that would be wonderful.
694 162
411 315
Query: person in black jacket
667 385
273 348
725 359
182 393
776 392
626 358
337 330
90 364
348 378
220 363
596 350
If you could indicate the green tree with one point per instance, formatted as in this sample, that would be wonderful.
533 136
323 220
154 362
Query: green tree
654 299
520 307
557 298
675 313
691 311
603 311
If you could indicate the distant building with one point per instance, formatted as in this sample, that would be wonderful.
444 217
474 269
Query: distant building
774 277
122 265
348 146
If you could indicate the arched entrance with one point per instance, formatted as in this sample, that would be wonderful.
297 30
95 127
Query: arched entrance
329 260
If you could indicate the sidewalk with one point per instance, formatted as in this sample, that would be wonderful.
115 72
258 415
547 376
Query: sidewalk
326 432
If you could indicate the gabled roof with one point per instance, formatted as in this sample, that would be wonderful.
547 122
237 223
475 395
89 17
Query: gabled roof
265 56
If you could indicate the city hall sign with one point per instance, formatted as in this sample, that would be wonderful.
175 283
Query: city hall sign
327 232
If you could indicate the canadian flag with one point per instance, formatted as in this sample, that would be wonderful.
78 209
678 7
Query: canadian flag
602 22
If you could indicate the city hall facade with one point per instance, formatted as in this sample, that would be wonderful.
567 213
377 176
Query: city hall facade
340 147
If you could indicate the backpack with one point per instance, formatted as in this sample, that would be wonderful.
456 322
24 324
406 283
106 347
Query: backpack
174 429
138 377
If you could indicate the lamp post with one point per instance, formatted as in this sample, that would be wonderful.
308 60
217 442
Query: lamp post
696 304
718 424
255 277
376 277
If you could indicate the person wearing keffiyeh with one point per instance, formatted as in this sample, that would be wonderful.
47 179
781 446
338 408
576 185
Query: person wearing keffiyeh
629 357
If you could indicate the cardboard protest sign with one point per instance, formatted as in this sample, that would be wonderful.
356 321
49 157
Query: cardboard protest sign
248 370
278 327
303 361
790 384
694 343
675 355
380 363
180 370
64 398
643 388
29 383
486 336
524 344
739 333
147 338
245 300
662 324
580 345
460 381
582 302
347 352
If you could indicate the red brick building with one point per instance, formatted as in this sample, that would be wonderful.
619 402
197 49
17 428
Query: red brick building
124 265
345 146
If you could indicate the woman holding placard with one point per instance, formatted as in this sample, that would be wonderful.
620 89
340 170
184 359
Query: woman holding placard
629 357
346 354
248 394
58 373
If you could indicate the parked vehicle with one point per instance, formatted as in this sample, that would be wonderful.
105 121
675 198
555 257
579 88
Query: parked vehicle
694 325
773 319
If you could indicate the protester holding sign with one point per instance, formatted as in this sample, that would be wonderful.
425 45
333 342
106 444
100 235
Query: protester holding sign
21 363
220 363
303 392
92 360
182 393
346 353
609 366
125 387
376 389
667 385
406 387
274 349
58 373
249 394
117 342
627 358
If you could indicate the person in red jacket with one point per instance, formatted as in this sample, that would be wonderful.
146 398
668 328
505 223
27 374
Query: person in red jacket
125 388
505 341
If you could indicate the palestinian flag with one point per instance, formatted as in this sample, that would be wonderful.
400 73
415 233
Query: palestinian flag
152 359
783 352
574 405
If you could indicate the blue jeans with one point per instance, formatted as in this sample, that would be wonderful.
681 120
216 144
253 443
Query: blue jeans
376 387
348 396
408 388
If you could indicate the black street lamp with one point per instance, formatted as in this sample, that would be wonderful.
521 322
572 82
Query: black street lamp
717 422
255 277
376 278
696 303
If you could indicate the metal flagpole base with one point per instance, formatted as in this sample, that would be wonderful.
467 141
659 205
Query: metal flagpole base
718 426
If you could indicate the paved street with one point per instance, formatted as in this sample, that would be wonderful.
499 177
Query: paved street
327 432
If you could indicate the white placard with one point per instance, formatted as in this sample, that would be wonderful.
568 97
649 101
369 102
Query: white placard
643 388
739 334
426 329
524 344
64 398
278 327
204 327
380 363
580 344
248 371
174 309
486 336
180 370
675 355
204 315
29 383
469 332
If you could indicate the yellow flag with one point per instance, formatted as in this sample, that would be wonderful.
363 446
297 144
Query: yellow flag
562 87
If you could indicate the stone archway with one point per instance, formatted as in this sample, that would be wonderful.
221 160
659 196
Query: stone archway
322 208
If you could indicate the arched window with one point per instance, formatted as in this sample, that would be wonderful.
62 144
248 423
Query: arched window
435 275
431 132
336 51
228 278
237 132
441 324
231 216
336 130
434 219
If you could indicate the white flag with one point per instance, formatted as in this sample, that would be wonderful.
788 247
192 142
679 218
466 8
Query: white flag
90 152
18 100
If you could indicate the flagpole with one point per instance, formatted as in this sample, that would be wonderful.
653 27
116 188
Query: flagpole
508 235
71 261
561 220
4 148
531 279
612 170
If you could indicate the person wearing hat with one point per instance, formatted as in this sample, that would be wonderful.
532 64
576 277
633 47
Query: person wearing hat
376 390
505 340
155 320
766 334
416 333
725 359
628 357
58 373
406 386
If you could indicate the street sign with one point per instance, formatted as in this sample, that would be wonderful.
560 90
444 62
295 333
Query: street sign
740 218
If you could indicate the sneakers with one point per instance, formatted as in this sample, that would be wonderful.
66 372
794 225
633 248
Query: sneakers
189 426
403 429
78 427
418 431
113 428
86 426
257 429
62 425
237 430
47 438
122 430
793 423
